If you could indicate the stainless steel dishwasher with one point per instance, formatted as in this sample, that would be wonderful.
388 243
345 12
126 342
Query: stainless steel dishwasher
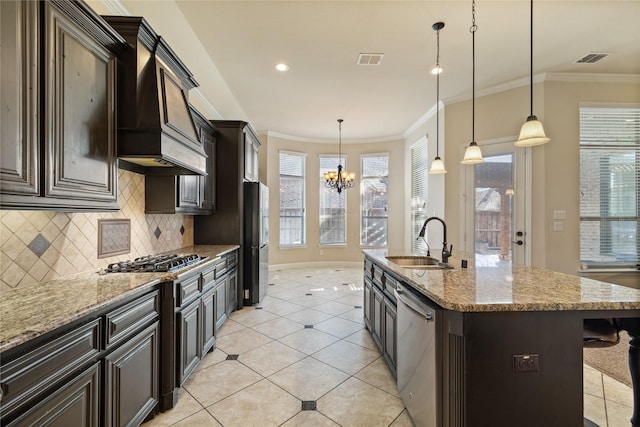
416 362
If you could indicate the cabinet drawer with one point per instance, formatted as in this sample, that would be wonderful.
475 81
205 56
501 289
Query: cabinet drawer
377 275
28 375
221 266
187 290
208 279
127 320
368 268
389 283
232 259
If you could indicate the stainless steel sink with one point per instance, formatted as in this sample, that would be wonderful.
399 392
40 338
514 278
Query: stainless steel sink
417 261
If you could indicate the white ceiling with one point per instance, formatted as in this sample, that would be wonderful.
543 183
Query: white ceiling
321 41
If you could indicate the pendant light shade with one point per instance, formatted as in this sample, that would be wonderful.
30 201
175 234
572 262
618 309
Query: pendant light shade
437 166
473 154
532 132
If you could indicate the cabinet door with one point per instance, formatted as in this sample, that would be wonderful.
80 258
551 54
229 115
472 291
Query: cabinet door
131 379
390 334
79 119
189 340
250 158
208 183
221 301
189 191
232 292
77 403
367 303
20 89
208 320
378 318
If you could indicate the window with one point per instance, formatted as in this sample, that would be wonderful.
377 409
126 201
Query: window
419 174
292 199
609 186
333 206
373 203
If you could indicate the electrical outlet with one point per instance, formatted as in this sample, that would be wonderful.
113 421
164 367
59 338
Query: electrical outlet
526 363
558 226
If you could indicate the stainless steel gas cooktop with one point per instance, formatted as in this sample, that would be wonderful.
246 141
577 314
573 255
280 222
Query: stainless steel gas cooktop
153 263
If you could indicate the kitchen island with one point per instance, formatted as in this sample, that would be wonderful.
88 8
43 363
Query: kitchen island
508 341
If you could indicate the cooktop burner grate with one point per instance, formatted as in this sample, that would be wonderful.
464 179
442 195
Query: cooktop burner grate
153 263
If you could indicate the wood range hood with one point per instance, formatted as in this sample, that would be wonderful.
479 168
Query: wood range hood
156 132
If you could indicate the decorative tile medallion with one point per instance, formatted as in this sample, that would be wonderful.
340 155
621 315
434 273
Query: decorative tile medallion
39 245
114 237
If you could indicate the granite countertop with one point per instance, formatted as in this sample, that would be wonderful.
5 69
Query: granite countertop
31 311
518 288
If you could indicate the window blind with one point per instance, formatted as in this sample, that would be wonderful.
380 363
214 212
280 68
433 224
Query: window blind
292 199
419 175
373 203
609 186
333 206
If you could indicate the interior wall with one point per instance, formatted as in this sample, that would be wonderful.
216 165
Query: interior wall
555 167
352 251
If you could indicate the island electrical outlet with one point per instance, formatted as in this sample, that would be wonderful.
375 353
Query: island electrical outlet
526 363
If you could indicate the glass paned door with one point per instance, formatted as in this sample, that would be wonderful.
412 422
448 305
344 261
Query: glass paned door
496 197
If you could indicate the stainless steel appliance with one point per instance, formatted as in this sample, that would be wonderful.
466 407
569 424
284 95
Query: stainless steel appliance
256 241
153 263
417 364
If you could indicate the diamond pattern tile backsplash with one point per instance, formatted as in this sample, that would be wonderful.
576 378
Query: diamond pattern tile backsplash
36 246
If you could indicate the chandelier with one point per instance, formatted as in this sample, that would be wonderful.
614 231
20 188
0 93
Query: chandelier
341 179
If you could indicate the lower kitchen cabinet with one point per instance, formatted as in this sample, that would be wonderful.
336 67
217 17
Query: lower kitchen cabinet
77 403
390 339
232 291
189 331
380 311
221 302
102 370
208 308
131 379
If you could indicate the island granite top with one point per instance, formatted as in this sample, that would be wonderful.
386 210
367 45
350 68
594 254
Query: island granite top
31 311
518 288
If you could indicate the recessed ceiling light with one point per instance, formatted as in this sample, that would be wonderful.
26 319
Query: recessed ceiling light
282 67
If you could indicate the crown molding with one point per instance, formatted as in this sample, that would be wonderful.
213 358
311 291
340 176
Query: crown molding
393 138
592 78
213 113
116 8
422 120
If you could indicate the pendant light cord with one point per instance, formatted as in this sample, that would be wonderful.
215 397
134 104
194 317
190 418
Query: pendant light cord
340 141
473 30
531 59
438 94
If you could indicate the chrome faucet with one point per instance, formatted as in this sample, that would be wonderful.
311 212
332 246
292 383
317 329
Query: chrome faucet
446 253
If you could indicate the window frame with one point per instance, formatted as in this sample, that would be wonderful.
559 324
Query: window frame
363 179
303 216
418 214
323 189
603 147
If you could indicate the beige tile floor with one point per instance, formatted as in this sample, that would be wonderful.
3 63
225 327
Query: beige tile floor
282 365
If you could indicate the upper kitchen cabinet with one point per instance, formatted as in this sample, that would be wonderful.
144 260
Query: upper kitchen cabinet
58 107
187 194
156 131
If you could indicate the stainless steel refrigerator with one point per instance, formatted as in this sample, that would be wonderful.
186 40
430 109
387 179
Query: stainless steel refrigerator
255 246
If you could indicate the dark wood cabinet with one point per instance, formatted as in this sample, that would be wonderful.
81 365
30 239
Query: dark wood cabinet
186 194
20 88
235 142
390 339
221 301
101 370
131 379
232 291
76 403
380 310
59 149
189 339
208 308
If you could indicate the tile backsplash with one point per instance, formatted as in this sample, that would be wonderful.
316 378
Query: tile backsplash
36 246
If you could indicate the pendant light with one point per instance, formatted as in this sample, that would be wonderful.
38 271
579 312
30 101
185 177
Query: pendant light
472 154
437 166
341 179
531 132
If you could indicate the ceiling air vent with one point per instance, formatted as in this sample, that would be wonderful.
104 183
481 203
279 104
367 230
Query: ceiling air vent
591 58
370 58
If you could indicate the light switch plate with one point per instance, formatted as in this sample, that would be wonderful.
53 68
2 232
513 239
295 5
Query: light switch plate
558 226
559 214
